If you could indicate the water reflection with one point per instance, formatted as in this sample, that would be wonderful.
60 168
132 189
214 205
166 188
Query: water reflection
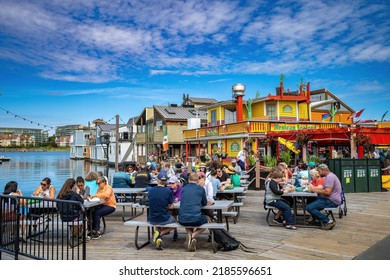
29 168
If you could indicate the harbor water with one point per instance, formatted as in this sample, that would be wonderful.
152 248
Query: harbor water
29 168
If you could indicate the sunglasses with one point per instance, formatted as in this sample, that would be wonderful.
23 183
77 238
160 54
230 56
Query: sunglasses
43 184
172 183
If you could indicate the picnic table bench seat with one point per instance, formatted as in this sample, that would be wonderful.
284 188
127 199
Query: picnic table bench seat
150 227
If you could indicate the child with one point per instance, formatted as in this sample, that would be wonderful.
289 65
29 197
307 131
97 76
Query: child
273 196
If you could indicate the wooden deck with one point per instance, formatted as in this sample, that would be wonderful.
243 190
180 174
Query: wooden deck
366 223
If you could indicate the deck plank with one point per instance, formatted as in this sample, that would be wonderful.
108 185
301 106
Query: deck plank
366 223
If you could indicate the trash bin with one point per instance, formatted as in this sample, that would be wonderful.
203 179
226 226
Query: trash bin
334 165
347 175
361 179
374 175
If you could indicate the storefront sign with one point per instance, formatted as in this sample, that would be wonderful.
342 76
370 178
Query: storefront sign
284 126
234 147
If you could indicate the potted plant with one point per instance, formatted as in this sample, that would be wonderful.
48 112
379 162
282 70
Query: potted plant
285 157
313 158
269 162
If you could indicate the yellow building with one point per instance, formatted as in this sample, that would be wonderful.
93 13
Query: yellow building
256 123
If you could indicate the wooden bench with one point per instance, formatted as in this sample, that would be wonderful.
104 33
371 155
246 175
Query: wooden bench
230 214
150 227
125 204
236 206
273 210
329 212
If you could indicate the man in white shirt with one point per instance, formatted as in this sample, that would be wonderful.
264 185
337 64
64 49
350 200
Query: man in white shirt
241 158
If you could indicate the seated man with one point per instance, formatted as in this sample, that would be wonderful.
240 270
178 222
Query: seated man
160 200
328 197
121 179
190 213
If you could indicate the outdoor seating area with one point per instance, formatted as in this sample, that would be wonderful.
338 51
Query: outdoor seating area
366 224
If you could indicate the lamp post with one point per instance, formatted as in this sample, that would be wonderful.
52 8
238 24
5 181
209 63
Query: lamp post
105 140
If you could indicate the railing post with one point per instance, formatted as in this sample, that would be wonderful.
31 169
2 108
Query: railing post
257 172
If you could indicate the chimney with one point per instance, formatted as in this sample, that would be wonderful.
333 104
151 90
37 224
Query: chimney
238 93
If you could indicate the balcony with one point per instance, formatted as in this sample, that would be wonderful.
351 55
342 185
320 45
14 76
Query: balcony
252 127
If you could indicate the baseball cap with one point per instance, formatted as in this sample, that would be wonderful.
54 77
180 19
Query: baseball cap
312 164
173 179
230 170
234 161
162 176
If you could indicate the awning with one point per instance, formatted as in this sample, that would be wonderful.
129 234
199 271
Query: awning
379 138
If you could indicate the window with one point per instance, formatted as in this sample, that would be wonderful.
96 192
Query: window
159 125
271 111
125 136
230 116
213 117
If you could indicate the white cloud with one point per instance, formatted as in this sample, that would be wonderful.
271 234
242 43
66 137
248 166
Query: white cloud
100 41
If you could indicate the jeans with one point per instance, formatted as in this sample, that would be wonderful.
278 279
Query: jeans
104 210
285 208
319 204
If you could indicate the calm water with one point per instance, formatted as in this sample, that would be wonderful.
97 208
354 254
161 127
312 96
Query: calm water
29 168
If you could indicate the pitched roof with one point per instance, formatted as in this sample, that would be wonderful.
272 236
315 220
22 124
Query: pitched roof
178 113
106 127
202 100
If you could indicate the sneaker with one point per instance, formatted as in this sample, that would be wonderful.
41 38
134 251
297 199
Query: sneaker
192 247
187 243
156 236
96 236
159 244
278 220
88 239
329 225
175 236
291 227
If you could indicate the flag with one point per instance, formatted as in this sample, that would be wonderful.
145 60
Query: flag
356 114
325 116
383 117
165 140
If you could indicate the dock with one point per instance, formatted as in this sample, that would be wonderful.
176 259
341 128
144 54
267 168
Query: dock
367 223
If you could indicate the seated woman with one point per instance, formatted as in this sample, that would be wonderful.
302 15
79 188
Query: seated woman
10 213
90 182
273 196
316 182
106 194
45 190
70 212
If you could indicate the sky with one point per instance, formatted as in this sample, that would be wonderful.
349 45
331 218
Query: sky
71 62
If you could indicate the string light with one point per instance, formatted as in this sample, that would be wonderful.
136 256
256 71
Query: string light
25 119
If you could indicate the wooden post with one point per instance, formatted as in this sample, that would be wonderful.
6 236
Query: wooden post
257 174
116 142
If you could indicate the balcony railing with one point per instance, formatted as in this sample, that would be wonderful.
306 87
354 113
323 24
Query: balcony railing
251 127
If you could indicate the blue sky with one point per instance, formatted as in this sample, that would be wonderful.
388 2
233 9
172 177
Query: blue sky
66 62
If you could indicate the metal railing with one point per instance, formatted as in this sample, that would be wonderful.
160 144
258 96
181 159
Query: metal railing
34 228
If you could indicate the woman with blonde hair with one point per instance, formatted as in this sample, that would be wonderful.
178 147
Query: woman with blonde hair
90 181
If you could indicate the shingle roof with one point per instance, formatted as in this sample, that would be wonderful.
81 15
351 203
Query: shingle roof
178 113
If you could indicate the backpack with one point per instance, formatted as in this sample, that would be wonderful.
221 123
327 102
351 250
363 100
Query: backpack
226 242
